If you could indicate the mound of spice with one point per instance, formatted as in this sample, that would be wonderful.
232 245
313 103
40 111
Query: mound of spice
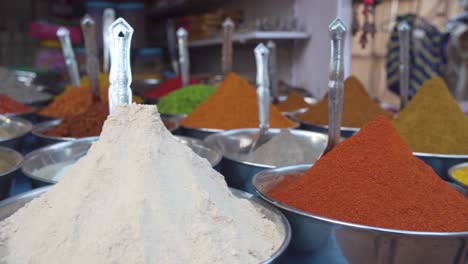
138 196
11 106
183 101
168 86
295 101
233 105
358 107
372 178
433 122
87 124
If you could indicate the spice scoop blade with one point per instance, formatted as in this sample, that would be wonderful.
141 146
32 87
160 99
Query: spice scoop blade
346 242
263 95
9 206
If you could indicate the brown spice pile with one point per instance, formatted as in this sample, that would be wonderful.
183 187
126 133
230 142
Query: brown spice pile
233 105
295 101
358 107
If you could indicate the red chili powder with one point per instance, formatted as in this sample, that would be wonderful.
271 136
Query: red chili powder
9 106
373 179
168 86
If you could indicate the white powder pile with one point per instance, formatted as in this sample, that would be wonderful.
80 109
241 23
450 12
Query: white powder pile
286 149
138 196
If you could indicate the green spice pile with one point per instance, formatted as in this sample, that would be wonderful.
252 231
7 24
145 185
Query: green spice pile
433 122
185 100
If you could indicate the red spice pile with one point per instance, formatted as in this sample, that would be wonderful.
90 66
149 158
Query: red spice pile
9 106
373 179
168 86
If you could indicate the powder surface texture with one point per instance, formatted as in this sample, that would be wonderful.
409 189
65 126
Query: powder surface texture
233 105
286 149
433 122
138 196
358 107
372 178
295 101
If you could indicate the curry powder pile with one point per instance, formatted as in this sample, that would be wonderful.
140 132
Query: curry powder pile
372 178
433 122
233 105
295 101
358 107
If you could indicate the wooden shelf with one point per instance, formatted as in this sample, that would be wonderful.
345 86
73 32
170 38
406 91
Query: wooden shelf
251 36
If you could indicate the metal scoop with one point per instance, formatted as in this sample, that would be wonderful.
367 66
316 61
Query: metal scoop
92 63
273 70
335 84
226 56
63 35
404 37
120 76
184 63
263 95
108 17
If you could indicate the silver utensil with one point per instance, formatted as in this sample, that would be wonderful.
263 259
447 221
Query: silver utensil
404 38
108 17
335 84
273 70
184 63
172 45
120 76
226 56
88 26
263 95
63 35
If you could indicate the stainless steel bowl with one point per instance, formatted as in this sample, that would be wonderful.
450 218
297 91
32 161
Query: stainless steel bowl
69 152
441 163
14 160
346 132
9 206
450 173
352 243
18 128
237 171
65 152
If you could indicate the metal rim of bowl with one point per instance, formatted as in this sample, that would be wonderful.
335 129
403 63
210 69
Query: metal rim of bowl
437 155
234 131
55 146
23 122
19 159
302 168
458 166
19 114
201 144
217 130
297 119
238 193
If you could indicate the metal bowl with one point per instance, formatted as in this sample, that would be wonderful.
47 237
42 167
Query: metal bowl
66 153
237 171
17 127
450 173
346 132
26 115
353 243
441 163
9 206
14 161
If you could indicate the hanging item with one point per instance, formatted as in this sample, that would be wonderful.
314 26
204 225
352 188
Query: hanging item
426 53
369 20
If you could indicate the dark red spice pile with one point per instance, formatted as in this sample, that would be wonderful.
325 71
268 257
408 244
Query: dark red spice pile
9 106
168 86
373 179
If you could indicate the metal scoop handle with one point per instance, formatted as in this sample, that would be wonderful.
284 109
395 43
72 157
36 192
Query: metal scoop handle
63 35
182 40
172 45
92 63
120 76
226 58
273 69
108 17
335 84
404 37
263 85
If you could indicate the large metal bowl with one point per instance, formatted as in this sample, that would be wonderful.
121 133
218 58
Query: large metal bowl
9 206
441 163
353 243
17 127
13 158
237 171
67 153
